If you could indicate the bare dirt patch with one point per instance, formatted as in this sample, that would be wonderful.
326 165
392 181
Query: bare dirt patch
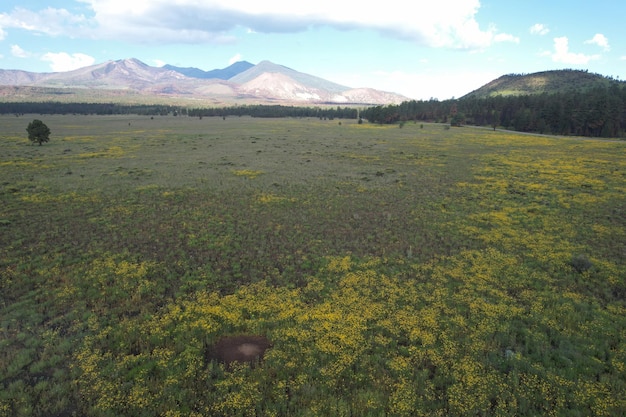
242 348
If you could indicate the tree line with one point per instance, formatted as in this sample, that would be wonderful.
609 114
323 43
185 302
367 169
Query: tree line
19 108
276 111
597 112
53 107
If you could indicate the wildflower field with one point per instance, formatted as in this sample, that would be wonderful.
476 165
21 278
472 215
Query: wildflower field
414 271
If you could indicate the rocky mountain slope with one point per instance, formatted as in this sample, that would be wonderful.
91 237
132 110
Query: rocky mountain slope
265 82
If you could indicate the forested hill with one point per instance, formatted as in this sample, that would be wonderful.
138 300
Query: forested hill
550 82
554 102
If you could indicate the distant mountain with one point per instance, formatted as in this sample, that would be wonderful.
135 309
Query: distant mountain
122 74
222 74
267 67
265 82
540 82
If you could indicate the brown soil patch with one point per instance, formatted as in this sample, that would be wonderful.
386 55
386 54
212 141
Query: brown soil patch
244 348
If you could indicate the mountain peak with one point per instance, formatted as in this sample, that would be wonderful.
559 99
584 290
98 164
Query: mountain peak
221 74
132 61
299 77
270 64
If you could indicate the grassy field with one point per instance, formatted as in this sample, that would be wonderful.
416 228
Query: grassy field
396 271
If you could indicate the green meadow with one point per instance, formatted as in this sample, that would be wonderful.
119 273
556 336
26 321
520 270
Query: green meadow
396 271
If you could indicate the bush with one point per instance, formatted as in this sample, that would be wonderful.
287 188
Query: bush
580 263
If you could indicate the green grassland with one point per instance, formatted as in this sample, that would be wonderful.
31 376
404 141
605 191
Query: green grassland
397 271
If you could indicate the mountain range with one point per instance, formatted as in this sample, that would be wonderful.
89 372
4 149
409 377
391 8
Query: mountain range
241 81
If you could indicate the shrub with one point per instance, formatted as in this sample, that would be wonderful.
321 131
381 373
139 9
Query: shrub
580 263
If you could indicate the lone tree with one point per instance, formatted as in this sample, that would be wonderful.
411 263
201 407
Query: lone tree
38 132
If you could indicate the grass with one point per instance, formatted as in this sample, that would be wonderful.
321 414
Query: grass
413 271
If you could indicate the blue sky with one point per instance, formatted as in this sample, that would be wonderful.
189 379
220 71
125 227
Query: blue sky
421 49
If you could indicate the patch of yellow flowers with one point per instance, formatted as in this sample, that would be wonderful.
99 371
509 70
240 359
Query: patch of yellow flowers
446 341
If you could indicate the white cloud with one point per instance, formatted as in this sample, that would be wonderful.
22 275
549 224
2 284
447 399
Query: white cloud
539 29
158 62
18 52
49 21
600 40
236 58
505 37
445 23
62 61
563 55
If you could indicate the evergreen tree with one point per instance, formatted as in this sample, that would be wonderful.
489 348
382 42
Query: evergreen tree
38 132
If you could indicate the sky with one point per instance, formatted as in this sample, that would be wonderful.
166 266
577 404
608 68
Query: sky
421 49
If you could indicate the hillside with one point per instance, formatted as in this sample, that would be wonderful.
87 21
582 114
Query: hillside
557 81
565 102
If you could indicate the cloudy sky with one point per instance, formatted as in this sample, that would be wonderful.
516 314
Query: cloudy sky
422 49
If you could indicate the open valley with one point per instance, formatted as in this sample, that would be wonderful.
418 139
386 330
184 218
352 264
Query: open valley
383 270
